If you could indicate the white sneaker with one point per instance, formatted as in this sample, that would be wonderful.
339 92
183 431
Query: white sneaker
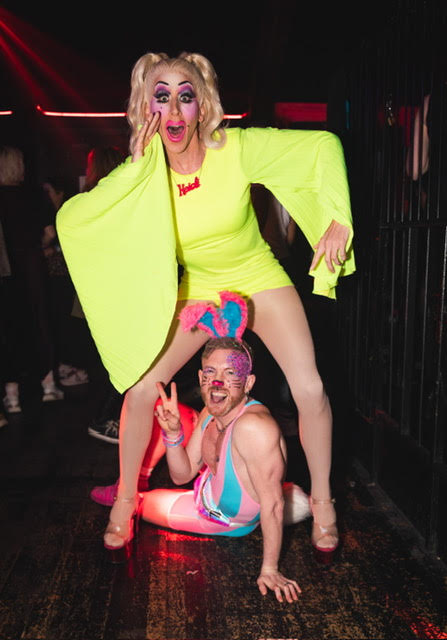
11 400
107 431
50 391
50 394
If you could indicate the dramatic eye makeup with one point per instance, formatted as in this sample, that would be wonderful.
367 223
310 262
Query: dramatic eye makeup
161 94
187 96
186 92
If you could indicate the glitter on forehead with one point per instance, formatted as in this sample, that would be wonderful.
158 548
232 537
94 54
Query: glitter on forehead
240 362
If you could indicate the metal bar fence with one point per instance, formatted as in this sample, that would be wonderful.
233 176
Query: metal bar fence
394 316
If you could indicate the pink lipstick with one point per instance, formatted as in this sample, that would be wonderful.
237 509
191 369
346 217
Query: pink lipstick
175 130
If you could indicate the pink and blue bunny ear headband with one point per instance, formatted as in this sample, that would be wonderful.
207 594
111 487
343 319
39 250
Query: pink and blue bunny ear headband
227 321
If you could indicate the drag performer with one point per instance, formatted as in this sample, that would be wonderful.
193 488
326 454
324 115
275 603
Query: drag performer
185 193
240 453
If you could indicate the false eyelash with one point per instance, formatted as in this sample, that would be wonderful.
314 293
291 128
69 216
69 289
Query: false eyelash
188 94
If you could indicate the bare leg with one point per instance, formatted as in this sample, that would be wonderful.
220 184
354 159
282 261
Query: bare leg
137 416
280 321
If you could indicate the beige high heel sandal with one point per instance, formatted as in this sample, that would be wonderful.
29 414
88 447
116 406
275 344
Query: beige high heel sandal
325 555
126 531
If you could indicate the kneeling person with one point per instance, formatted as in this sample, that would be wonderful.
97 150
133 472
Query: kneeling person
239 451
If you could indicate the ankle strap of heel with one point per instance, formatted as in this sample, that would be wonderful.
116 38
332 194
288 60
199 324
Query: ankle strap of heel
128 500
329 501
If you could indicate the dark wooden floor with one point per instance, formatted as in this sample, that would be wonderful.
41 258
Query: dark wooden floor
55 583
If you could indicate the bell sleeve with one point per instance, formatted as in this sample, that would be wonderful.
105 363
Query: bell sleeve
306 172
119 244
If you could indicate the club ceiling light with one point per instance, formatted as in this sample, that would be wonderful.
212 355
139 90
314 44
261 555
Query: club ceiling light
111 114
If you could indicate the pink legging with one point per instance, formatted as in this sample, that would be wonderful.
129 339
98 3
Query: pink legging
176 509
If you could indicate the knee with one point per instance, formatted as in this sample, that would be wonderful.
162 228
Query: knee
142 395
310 392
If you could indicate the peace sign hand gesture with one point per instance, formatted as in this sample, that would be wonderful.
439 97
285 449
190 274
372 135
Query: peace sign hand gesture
167 412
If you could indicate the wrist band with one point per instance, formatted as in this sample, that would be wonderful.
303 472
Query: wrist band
174 443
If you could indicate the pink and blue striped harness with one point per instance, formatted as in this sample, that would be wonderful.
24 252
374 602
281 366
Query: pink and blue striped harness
221 497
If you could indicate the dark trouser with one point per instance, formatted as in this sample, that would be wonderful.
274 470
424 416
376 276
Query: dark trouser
26 334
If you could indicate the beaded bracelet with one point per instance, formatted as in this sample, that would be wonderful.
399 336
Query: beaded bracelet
178 439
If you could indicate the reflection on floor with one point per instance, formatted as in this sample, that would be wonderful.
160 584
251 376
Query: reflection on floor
55 583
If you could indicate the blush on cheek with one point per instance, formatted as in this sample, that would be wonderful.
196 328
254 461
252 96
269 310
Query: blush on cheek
191 110
156 106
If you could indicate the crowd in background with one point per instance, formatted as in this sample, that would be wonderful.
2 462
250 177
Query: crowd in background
41 321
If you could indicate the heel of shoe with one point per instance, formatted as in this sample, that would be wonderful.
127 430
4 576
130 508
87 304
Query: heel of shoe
324 555
122 553
137 516
119 555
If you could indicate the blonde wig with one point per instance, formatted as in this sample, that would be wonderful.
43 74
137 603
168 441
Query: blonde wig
204 79
12 167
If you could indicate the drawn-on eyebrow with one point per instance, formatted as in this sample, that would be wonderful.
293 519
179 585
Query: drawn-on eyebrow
179 84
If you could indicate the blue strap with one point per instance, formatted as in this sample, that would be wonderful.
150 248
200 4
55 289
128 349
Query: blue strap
206 421
210 417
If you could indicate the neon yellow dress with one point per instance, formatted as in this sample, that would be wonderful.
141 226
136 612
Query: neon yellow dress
121 239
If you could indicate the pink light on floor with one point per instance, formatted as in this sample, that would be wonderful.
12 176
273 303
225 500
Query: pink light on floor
173 535
6 113
170 555
419 624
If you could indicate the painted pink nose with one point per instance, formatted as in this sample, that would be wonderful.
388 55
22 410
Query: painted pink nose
217 383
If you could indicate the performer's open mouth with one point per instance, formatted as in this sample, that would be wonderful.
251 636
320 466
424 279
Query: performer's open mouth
217 396
176 130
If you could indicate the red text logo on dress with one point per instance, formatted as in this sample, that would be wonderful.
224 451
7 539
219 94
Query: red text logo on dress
186 188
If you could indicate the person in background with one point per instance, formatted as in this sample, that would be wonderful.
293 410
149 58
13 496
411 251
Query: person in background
101 160
62 294
26 218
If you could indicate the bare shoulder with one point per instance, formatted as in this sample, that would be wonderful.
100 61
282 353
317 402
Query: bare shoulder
256 420
256 408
